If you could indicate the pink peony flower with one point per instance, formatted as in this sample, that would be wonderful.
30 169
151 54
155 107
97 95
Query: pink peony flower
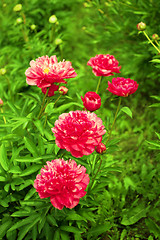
78 132
104 65
122 86
45 71
63 181
91 101
101 148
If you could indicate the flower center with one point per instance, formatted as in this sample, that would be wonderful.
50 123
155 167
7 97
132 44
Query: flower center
46 70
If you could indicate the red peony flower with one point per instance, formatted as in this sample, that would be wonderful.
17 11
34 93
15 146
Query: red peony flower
1 102
104 65
63 181
101 148
122 87
91 101
78 132
45 72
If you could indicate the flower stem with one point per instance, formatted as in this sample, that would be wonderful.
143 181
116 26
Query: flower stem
151 42
58 99
99 82
109 135
42 106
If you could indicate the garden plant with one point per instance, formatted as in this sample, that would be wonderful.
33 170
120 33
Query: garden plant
79 120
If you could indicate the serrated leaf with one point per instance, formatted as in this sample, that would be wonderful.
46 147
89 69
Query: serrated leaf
127 111
3 158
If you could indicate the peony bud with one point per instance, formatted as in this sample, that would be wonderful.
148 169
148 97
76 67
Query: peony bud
63 90
141 26
53 19
19 20
17 8
101 148
91 101
3 71
33 27
58 41
155 36
1 102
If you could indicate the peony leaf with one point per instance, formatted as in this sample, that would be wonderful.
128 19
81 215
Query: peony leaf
31 146
3 158
127 111
71 229
30 170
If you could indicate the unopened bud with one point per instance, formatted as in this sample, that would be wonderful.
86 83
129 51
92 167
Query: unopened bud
19 20
17 8
3 71
63 90
58 41
53 19
1 102
101 148
155 36
33 27
141 26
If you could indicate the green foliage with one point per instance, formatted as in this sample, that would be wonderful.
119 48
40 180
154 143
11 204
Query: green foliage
123 201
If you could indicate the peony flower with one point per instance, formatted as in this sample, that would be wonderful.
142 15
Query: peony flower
78 132
101 148
63 90
122 86
104 65
141 26
63 181
45 72
91 101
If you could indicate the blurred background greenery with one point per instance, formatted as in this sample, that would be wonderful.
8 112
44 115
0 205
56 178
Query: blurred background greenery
82 30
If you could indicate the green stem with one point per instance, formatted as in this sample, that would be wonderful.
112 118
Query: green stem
109 135
42 106
57 99
151 41
99 82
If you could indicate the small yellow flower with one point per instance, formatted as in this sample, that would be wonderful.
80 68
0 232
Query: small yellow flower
17 8
53 19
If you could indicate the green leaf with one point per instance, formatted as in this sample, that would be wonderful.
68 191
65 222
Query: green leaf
2 179
64 235
158 135
70 229
51 220
153 143
27 228
30 170
3 158
75 216
4 227
21 213
31 147
127 111
39 126
133 215
155 60
153 227
15 169
99 229
24 222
